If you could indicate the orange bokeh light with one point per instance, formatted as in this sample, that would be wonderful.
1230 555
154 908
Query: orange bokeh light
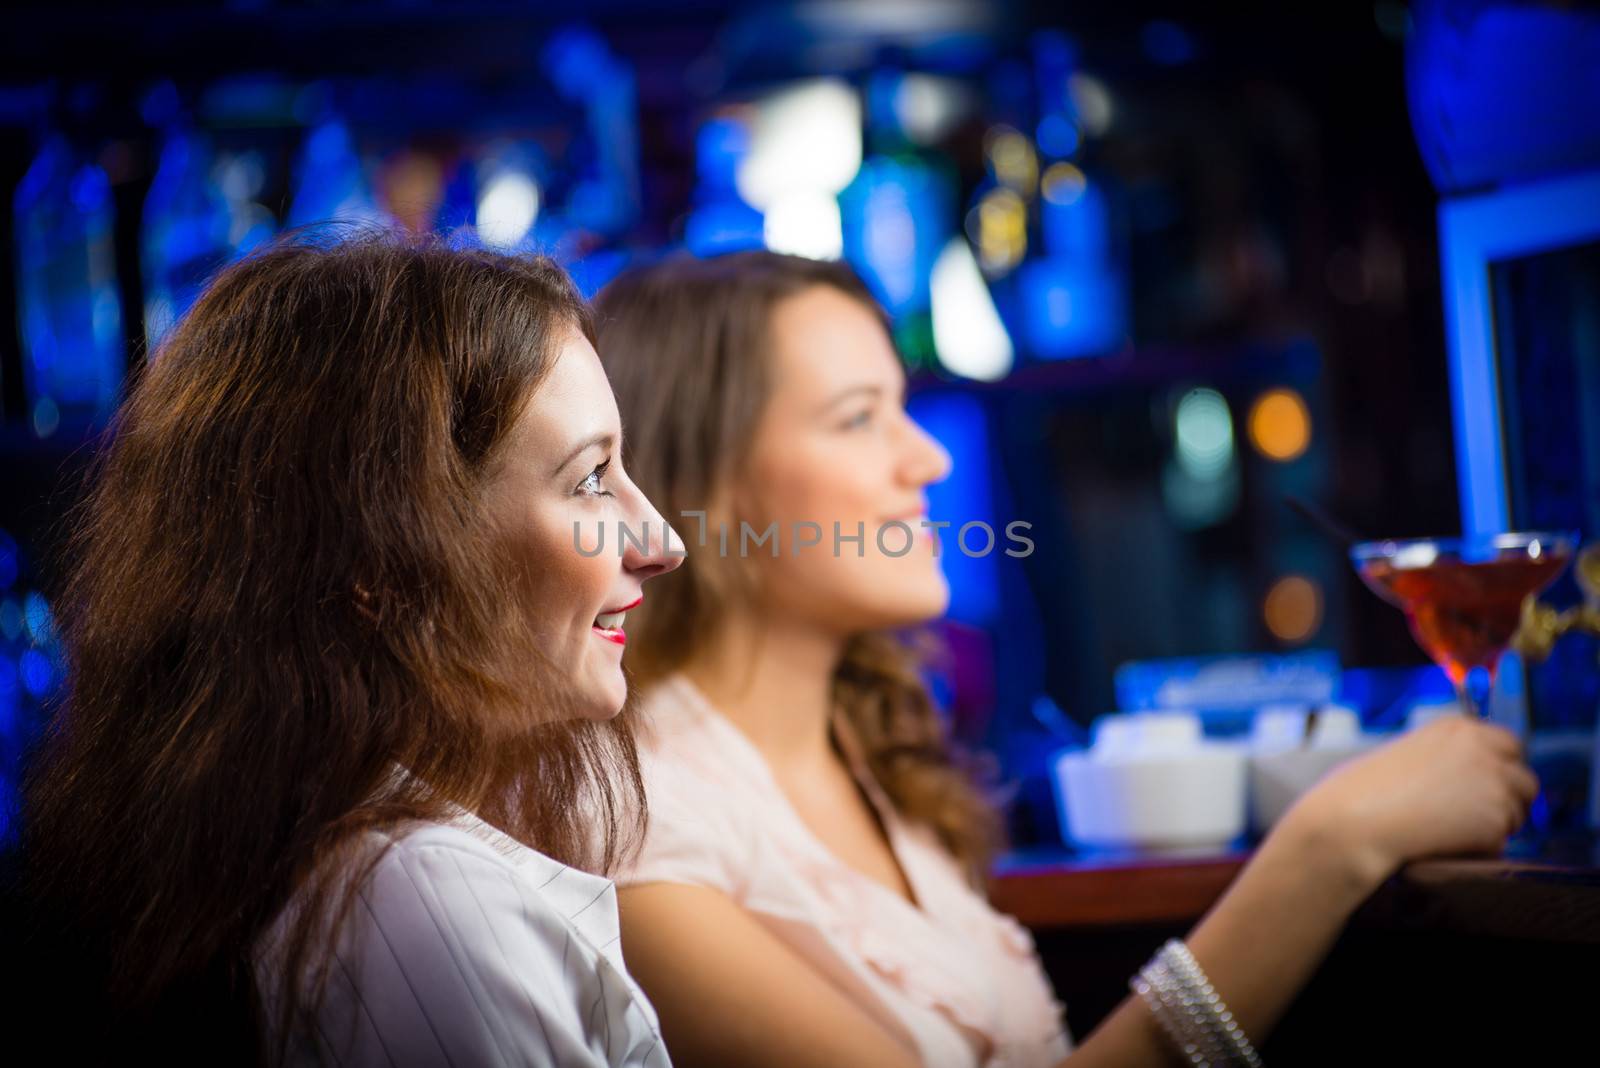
1293 608
1280 425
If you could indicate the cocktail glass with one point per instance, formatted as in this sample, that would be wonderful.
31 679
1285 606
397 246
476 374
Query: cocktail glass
1463 596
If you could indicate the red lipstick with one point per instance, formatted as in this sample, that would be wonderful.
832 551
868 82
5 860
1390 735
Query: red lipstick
608 624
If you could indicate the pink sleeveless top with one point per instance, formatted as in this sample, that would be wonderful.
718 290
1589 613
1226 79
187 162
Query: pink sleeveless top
958 981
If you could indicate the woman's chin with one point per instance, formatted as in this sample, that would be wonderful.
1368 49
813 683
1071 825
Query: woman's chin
912 604
603 700
933 597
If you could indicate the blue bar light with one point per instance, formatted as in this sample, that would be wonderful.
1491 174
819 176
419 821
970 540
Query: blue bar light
605 198
67 299
1474 233
721 221
1074 298
896 217
331 182
185 230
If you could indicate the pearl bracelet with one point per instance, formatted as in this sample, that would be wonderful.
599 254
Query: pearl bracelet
1160 990
1187 1007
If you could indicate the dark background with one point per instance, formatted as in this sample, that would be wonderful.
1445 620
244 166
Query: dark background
1272 226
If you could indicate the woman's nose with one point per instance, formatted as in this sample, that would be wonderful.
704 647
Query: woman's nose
926 460
657 549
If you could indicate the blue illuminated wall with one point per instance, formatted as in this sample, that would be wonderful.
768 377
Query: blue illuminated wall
959 422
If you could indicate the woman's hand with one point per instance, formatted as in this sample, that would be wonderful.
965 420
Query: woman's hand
1455 786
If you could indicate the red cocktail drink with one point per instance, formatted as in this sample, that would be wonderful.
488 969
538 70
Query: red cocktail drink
1463 598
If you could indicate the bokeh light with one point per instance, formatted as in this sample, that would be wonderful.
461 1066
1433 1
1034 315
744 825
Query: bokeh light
1204 431
1063 183
507 208
46 417
36 617
1001 224
37 672
1013 159
967 332
1292 609
806 139
1279 425
805 223
1092 99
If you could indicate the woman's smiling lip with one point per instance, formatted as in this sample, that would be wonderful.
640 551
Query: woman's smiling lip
911 515
614 634
917 522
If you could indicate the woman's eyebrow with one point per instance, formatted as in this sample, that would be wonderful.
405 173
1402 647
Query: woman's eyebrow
605 438
845 394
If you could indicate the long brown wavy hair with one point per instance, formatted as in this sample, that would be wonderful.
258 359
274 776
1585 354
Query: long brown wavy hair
280 583
686 344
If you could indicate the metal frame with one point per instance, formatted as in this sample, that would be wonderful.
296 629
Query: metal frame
1474 233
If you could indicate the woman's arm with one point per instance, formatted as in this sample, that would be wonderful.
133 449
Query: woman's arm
729 993
1455 786
1258 945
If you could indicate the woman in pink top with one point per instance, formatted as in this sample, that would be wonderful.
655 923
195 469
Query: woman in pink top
809 892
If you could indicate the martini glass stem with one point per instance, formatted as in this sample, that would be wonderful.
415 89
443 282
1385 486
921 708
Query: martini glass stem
1473 691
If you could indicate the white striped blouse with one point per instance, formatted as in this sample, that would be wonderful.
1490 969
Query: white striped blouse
468 948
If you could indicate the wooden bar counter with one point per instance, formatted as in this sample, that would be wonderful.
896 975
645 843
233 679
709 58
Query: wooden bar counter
1472 961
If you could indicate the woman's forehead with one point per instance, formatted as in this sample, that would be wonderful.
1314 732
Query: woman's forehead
574 401
825 341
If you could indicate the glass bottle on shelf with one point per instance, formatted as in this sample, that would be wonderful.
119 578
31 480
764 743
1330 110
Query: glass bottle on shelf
68 305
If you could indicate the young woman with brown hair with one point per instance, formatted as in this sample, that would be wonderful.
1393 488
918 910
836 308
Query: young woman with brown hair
343 726
809 891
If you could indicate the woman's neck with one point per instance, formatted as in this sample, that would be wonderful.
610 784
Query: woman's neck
774 680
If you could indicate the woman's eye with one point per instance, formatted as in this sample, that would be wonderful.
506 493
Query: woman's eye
857 421
593 483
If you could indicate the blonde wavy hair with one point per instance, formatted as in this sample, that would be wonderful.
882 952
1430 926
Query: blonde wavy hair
686 344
